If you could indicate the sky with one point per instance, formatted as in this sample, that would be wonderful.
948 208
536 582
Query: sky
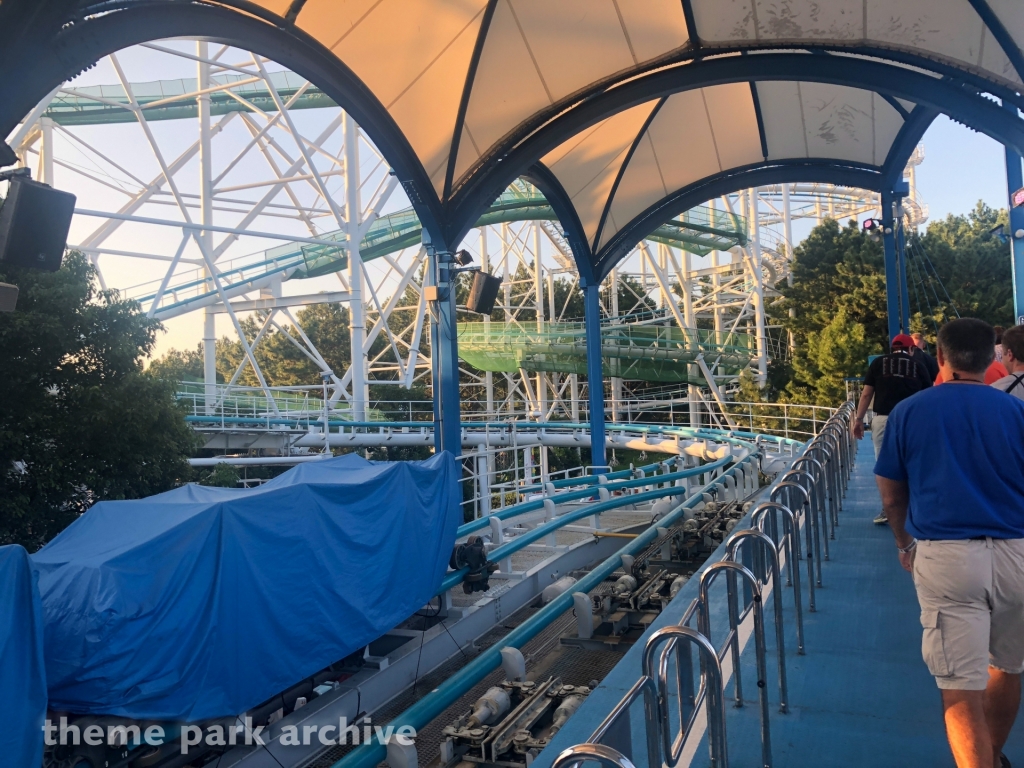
960 168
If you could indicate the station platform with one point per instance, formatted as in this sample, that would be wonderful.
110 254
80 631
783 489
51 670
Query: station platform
861 696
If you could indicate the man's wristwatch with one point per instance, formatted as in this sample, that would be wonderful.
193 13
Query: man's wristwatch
909 548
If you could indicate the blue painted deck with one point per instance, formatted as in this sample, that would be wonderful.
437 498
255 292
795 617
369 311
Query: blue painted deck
861 696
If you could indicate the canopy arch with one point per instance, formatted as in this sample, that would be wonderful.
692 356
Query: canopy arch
483 89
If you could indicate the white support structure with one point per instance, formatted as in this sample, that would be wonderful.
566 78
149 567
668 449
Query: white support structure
357 320
206 219
244 202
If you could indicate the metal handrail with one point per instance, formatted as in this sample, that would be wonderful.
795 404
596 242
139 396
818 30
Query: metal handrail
829 474
605 755
822 491
770 553
791 539
812 553
816 500
734 569
712 688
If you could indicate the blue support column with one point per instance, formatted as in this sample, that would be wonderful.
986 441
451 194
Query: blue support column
892 298
595 372
444 335
901 260
1014 182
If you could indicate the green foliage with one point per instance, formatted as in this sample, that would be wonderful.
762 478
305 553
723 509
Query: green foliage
81 422
222 476
974 267
839 305
838 351
282 361
186 365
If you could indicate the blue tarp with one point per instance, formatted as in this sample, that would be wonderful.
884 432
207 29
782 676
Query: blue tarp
22 679
204 602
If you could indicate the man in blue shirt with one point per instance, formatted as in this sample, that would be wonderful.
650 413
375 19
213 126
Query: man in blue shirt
950 476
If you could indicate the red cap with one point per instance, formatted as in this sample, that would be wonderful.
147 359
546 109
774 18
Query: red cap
902 340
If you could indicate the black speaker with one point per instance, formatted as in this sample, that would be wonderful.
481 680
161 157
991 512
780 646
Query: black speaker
483 293
34 223
8 297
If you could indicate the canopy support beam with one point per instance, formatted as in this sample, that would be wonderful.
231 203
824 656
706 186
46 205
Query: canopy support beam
1014 182
445 357
896 300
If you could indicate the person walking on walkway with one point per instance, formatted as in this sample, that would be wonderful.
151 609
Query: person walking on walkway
920 353
1013 359
949 474
890 379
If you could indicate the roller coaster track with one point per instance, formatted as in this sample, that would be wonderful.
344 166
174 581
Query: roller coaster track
700 230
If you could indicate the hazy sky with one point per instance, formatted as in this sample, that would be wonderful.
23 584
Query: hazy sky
960 167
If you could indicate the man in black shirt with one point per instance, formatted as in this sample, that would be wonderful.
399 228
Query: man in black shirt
890 379
920 353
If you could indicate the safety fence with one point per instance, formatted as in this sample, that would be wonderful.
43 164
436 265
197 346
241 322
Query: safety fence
508 465
796 524
731 478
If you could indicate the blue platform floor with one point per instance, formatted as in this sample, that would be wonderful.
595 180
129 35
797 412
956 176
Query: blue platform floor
861 696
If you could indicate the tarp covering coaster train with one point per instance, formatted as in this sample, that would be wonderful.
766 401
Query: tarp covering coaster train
203 602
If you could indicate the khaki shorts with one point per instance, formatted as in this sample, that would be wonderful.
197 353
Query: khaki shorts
878 432
972 609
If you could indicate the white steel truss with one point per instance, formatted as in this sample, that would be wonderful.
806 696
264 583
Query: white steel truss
258 179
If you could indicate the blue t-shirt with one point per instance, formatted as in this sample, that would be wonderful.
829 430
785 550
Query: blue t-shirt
960 448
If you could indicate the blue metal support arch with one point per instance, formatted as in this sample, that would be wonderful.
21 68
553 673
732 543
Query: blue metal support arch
1001 34
949 97
914 128
622 170
467 91
1014 182
691 25
76 47
79 46
756 98
892 298
546 182
757 175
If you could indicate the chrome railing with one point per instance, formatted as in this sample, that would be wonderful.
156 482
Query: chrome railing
814 490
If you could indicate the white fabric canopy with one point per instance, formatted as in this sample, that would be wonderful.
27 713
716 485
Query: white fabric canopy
418 59
466 80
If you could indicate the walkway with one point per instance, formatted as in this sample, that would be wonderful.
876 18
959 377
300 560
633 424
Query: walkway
862 695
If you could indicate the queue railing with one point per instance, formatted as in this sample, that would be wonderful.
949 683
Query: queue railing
809 495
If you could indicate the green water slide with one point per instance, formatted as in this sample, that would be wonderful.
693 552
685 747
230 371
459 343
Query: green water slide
699 230
647 352
629 351
161 99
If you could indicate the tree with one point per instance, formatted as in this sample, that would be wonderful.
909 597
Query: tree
222 476
956 268
81 422
181 366
838 351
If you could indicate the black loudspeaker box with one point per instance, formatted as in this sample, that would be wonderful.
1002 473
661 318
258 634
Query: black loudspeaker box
34 223
483 293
